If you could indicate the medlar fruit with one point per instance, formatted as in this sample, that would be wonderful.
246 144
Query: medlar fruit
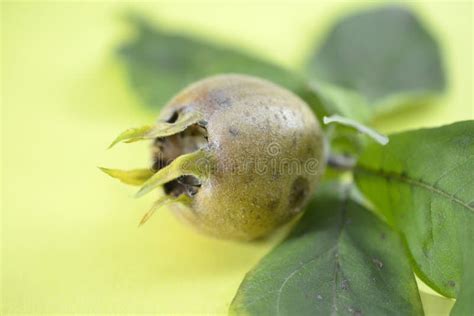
234 155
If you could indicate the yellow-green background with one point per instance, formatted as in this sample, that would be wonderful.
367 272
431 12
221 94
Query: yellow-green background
70 241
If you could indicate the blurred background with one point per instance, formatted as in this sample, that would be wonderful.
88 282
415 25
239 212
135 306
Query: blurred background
70 241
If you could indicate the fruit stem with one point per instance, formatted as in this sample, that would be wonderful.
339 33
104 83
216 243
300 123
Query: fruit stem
341 162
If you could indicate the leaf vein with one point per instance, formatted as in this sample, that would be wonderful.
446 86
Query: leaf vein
334 248
414 182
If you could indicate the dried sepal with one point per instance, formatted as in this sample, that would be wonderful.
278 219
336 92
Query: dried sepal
161 129
132 177
197 163
163 201
132 134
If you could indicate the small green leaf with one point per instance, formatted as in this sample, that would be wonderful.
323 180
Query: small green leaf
381 139
385 53
339 260
345 102
133 177
345 141
422 182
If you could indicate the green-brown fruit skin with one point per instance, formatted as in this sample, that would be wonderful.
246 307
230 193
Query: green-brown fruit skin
251 120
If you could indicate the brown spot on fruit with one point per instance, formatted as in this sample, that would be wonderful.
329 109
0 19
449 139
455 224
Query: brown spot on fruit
298 193
233 131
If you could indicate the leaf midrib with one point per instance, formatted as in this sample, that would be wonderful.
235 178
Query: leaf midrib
343 211
414 182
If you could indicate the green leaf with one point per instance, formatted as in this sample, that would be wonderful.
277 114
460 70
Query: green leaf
337 100
340 259
384 53
422 182
160 64
345 141
464 303
361 128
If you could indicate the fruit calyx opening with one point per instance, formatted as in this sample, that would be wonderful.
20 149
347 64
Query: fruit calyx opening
180 154
165 150
181 159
